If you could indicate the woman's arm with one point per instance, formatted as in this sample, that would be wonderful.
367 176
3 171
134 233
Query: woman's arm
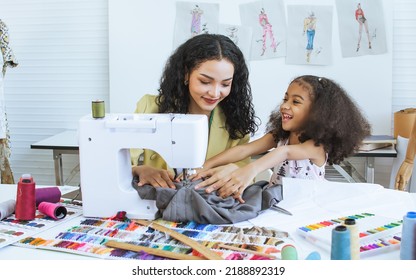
154 175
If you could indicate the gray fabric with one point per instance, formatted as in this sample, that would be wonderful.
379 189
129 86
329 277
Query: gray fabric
185 204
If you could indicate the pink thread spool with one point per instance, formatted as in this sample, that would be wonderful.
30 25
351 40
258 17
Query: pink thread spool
53 210
51 194
25 198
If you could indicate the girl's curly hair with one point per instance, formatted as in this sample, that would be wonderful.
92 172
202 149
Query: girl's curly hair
335 121
174 96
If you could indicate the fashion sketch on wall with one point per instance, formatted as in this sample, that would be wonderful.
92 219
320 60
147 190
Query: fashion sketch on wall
361 27
240 35
194 18
268 22
309 35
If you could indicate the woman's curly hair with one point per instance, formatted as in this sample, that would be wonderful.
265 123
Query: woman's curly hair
174 96
335 121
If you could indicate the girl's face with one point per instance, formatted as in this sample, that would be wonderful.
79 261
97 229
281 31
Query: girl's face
295 107
209 84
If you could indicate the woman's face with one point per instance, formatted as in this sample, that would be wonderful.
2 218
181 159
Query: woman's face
209 84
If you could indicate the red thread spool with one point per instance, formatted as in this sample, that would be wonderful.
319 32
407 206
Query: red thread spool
25 198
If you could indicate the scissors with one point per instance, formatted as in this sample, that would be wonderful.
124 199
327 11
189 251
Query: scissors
280 209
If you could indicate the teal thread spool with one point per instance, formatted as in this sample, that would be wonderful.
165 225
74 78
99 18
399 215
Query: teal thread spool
289 252
408 242
340 244
98 109
354 238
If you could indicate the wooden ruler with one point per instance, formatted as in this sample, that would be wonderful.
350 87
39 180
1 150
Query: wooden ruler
204 251
152 251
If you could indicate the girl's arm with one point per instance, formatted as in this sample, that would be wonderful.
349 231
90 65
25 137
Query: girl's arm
219 166
240 152
306 150
237 182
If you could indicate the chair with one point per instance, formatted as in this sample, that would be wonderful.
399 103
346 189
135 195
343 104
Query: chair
401 147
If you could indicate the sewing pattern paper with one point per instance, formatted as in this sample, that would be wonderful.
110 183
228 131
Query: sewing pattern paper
90 235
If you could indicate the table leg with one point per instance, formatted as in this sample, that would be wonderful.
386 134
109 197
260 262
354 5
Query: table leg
369 169
57 158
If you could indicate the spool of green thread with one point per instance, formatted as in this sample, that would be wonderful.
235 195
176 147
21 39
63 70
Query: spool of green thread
98 109
289 252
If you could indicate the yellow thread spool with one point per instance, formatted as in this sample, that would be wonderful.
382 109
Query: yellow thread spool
98 109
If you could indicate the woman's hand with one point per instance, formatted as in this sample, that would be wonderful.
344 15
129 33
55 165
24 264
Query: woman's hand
153 176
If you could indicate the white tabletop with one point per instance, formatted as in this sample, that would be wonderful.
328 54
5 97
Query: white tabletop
312 201
66 140
17 253
309 201
389 151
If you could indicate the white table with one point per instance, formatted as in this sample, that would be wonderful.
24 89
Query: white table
62 143
369 156
17 253
309 201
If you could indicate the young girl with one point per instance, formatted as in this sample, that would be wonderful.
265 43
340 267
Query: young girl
317 123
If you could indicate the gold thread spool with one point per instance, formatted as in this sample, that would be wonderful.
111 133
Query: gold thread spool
98 109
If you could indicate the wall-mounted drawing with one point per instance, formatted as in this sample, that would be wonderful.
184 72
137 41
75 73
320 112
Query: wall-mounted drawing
194 18
361 27
240 35
309 35
268 22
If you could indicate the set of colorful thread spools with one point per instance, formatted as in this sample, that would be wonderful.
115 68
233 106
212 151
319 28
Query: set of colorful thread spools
345 244
28 198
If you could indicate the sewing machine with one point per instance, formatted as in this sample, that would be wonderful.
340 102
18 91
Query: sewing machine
105 164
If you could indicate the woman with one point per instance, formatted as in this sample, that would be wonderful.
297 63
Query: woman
205 75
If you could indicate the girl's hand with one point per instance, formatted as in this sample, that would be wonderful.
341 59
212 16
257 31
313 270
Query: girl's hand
235 184
229 181
213 175
153 176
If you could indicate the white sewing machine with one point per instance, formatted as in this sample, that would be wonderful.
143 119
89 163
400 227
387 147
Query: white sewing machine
105 166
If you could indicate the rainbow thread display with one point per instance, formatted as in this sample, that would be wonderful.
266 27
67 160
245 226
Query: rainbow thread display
89 238
376 233
12 230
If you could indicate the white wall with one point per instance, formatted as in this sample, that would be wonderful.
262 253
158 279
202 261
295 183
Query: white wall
135 67
62 48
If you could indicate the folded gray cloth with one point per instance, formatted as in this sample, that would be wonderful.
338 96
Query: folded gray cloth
185 204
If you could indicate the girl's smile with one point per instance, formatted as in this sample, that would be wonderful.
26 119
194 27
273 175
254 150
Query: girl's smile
295 107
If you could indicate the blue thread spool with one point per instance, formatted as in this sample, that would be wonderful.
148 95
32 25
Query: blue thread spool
408 242
340 244
313 256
